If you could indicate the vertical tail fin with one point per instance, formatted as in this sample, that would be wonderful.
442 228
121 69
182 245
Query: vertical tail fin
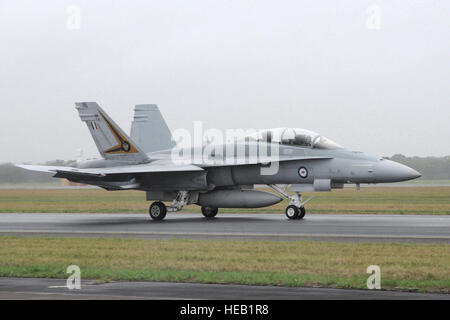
111 141
149 129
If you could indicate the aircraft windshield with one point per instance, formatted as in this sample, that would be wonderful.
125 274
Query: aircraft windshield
295 136
325 143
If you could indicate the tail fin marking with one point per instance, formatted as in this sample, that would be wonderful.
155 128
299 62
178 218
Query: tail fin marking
111 141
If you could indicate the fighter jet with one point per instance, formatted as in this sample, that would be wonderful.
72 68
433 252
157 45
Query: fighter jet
219 174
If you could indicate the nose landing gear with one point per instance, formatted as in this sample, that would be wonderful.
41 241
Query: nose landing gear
296 208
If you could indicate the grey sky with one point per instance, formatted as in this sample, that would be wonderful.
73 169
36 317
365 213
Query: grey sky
232 64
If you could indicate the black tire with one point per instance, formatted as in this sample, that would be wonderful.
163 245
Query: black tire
302 213
292 212
157 210
209 212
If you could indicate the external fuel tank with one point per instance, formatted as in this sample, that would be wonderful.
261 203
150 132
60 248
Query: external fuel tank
237 199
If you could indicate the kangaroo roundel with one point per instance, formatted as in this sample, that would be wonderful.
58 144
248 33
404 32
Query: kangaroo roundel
126 146
303 172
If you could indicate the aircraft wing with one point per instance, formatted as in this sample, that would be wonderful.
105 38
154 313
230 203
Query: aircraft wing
154 167
157 175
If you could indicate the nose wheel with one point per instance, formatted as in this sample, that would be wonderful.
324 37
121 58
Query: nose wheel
293 212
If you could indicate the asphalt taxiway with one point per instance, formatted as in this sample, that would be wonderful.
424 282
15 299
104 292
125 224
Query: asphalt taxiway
409 228
34 288
367 227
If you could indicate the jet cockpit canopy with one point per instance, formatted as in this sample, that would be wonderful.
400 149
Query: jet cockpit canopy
295 136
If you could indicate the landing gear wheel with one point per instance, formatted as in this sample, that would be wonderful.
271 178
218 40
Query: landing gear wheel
302 213
292 212
209 212
157 210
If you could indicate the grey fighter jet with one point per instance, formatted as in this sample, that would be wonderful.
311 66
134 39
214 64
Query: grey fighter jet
219 174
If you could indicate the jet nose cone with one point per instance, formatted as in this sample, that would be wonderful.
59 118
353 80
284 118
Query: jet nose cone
390 171
415 174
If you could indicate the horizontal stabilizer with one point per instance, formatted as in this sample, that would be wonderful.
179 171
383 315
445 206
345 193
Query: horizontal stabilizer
48 169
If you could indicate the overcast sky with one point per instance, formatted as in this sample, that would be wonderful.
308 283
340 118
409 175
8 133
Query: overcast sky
372 75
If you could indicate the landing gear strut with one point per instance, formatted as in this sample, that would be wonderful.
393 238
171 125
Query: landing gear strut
157 210
296 208
209 212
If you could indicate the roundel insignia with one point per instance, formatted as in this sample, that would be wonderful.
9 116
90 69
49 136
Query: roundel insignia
126 146
303 172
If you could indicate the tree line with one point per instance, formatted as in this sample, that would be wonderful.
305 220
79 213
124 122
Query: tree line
431 168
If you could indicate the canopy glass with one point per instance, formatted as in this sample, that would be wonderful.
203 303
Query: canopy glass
295 136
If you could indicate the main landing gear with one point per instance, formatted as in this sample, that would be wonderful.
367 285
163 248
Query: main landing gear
296 208
209 212
158 210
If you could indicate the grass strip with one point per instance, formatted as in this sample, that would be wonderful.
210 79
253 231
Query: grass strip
379 200
412 267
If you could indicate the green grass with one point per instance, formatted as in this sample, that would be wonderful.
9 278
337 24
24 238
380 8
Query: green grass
415 267
379 200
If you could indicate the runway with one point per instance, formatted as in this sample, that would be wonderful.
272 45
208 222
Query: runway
34 288
401 228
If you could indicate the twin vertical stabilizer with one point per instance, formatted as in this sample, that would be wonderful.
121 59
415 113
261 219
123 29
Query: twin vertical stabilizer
149 129
111 141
